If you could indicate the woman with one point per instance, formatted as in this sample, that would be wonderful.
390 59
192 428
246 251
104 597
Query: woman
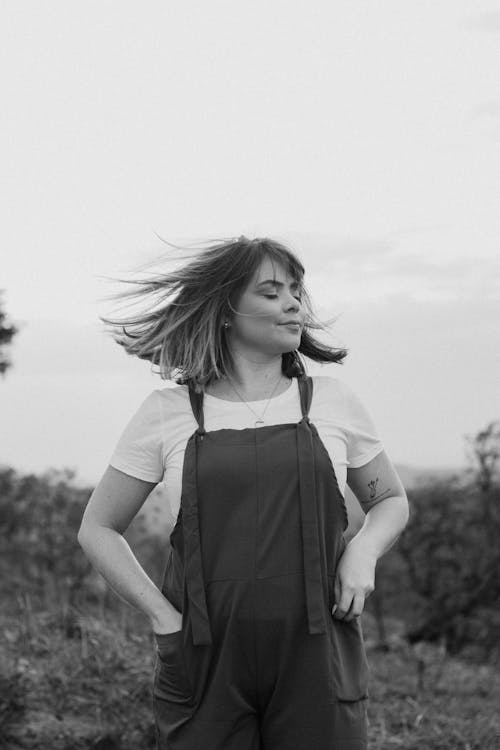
257 631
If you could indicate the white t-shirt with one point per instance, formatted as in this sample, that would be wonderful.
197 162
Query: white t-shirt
152 444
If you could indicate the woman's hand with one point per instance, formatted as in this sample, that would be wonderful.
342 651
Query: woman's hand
354 581
170 621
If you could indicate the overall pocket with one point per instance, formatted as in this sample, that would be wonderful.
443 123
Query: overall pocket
172 680
349 662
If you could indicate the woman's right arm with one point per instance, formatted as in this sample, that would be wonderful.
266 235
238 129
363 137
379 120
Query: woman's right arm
115 501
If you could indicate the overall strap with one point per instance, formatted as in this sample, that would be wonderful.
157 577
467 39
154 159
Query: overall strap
193 570
196 400
306 391
311 546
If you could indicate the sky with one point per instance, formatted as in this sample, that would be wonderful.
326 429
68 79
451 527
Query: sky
366 136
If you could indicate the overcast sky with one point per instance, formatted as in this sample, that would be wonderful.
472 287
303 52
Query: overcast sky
365 135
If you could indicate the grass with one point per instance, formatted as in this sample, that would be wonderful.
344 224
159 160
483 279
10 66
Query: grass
69 683
89 690
420 698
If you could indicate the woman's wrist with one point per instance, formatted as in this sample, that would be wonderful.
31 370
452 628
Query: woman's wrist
364 545
166 619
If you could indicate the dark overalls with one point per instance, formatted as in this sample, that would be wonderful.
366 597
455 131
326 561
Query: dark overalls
260 663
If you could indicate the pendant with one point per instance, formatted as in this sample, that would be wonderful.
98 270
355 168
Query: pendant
259 421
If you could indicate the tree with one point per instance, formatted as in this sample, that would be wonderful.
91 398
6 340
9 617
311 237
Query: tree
7 333
452 556
483 452
39 520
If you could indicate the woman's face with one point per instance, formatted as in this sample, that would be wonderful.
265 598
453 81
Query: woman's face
263 309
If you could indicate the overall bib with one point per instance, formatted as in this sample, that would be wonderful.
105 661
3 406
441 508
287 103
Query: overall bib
260 663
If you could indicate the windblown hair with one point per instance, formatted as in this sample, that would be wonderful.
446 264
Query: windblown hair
184 335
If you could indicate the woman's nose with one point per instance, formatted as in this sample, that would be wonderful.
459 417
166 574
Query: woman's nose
294 304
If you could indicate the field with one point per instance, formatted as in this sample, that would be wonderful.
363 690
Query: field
69 682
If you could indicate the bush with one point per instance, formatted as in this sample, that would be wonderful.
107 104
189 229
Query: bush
452 564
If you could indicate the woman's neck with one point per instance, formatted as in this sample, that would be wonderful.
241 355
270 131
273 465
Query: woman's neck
248 390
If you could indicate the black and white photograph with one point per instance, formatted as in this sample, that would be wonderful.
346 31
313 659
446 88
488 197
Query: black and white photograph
250 375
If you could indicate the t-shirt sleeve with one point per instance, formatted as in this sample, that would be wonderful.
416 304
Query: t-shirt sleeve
363 441
139 450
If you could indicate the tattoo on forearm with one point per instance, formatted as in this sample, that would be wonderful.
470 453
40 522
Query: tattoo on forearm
373 490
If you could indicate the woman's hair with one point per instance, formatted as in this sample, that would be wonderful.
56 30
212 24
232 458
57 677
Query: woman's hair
184 335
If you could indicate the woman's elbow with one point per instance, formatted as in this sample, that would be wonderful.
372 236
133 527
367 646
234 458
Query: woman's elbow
87 533
398 508
405 511
83 535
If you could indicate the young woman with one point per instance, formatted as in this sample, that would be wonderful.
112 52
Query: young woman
259 645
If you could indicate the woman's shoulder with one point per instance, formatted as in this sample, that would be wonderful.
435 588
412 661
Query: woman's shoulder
173 393
335 396
328 386
173 401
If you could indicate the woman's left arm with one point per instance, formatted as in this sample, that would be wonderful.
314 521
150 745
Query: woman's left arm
378 487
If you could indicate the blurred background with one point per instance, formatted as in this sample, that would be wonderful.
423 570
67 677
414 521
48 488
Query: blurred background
367 138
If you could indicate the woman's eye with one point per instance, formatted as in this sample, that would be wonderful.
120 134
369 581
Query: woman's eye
275 296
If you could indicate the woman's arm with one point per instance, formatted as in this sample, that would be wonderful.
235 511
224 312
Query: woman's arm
113 504
378 488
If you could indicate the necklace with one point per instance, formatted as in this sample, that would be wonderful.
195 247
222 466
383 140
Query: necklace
259 419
